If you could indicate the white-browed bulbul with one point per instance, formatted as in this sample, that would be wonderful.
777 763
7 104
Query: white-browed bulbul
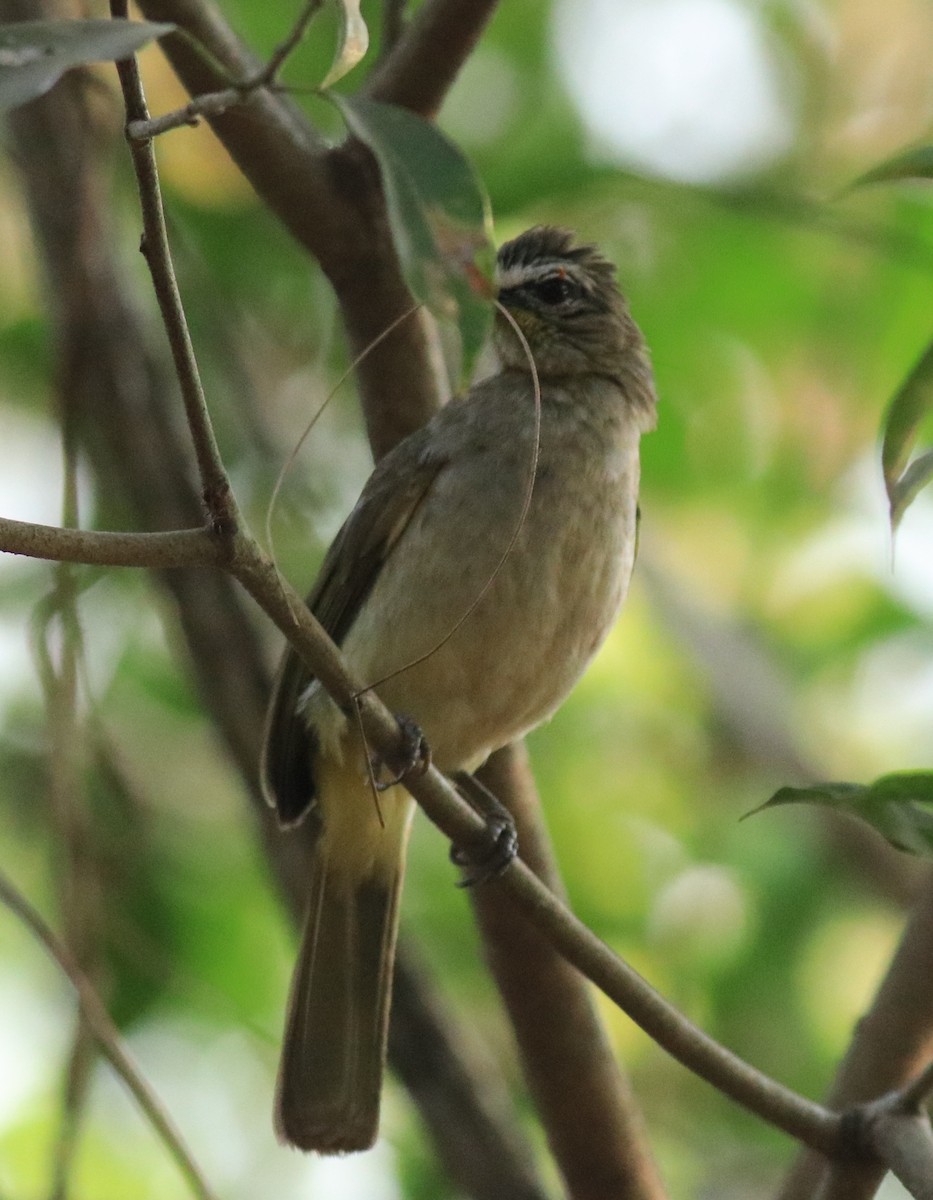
424 538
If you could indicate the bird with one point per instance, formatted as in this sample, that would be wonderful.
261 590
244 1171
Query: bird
483 565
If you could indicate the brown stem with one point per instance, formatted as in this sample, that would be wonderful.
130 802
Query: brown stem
108 1038
215 487
290 42
81 1062
892 1044
786 1110
128 404
592 1122
919 1091
420 69
483 1148
174 548
330 200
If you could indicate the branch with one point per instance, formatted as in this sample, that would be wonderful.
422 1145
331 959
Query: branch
903 1140
892 1044
483 1147
797 1116
173 548
216 103
420 69
593 1124
108 1038
331 202
917 1093
126 403
217 494
801 1118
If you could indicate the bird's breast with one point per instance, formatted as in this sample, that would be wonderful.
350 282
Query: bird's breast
483 619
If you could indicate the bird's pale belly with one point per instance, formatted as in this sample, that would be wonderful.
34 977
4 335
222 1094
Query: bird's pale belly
513 659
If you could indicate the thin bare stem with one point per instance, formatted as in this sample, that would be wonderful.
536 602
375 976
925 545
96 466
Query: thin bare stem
108 1037
783 1108
421 67
215 487
212 104
285 48
174 548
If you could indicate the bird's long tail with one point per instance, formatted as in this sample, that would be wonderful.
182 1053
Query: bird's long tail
333 1055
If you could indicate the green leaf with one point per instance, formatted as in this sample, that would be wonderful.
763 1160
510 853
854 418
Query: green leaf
913 164
911 404
439 215
915 478
35 54
353 44
898 806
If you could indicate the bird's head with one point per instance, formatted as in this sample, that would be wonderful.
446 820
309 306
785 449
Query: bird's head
565 300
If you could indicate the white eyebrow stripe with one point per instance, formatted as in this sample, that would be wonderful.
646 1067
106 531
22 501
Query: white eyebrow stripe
517 275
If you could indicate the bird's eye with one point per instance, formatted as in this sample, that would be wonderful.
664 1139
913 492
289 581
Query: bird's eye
554 289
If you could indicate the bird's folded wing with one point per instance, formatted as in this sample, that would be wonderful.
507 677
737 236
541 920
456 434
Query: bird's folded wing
351 567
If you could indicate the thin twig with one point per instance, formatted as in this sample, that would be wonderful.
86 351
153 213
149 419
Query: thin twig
81 1060
216 492
330 200
420 69
212 104
285 48
108 1037
783 1108
172 548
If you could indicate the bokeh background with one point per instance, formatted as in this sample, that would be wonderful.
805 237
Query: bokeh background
774 633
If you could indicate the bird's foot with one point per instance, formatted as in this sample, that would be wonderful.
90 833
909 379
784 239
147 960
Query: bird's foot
415 754
491 851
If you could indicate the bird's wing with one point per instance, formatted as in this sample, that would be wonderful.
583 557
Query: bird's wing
351 567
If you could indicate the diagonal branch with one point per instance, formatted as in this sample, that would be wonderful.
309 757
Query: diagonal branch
331 202
593 1124
420 69
108 1038
892 1044
127 404
783 1108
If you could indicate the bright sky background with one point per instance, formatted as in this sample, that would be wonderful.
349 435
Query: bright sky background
693 90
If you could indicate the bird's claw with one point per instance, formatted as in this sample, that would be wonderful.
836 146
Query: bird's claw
417 754
490 854
491 851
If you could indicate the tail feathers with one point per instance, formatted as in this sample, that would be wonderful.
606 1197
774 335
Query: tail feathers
334 1052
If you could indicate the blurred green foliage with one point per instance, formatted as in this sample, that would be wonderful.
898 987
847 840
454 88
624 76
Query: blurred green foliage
770 637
